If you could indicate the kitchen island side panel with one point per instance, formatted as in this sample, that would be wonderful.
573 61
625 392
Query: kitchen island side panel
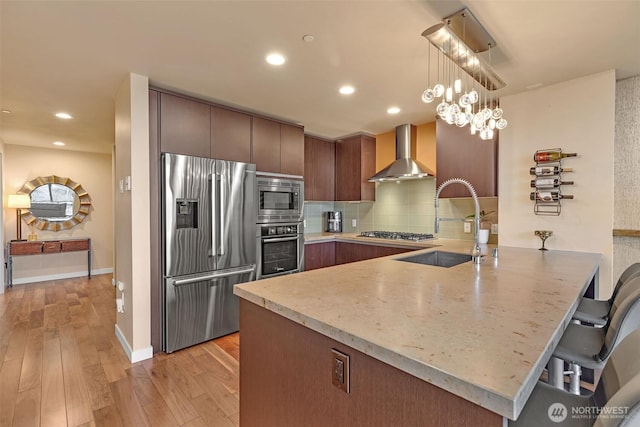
285 380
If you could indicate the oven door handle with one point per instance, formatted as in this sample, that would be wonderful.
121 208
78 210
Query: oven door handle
280 239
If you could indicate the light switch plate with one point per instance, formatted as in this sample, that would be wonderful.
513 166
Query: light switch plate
467 227
494 228
354 222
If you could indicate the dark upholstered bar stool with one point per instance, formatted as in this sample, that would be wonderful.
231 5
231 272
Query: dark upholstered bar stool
615 402
596 312
589 347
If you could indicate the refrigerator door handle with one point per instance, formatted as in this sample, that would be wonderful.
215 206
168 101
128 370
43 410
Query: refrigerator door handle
222 220
212 195
212 276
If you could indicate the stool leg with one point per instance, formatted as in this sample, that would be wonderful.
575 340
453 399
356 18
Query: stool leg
574 375
556 372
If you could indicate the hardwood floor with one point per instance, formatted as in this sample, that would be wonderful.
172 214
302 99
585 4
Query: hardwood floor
62 365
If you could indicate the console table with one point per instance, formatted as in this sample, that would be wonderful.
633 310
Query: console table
43 247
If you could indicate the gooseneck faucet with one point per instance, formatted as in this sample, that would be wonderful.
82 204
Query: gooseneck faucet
475 253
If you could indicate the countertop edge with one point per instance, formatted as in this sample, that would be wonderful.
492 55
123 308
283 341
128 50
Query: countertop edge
487 399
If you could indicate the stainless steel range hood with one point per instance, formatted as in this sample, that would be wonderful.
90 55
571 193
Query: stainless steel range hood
404 167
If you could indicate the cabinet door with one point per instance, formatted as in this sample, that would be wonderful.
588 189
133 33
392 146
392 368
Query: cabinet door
367 168
185 126
355 164
312 256
309 168
291 150
390 250
319 255
266 145
328 254
347 168
319 169
462 155
230 135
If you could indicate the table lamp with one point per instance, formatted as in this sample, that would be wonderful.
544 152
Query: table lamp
19 202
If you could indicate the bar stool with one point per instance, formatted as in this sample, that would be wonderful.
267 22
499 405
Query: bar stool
596 312
589 347
618 391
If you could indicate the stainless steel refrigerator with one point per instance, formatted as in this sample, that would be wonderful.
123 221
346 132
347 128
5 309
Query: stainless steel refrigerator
209 245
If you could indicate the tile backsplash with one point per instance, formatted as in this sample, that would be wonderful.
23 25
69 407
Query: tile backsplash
401 206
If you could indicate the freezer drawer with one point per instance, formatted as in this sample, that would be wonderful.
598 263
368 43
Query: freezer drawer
202 307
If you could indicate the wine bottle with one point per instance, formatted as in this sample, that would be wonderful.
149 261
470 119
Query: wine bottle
551 156
548 196
549 182
548 170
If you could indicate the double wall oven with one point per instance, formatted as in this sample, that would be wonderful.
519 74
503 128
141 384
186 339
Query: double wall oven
280 231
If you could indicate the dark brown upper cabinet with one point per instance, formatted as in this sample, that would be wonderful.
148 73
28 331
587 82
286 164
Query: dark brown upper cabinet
319 169
230 135
355 164
462 155
185 126
277 147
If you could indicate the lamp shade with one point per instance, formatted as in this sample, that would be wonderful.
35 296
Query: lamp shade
19 201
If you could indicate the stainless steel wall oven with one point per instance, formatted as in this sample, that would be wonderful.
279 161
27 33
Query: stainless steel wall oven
280 249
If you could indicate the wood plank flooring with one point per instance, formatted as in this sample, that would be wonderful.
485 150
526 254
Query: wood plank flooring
62 365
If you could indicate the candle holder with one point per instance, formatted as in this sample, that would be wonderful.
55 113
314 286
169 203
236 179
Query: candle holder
543 235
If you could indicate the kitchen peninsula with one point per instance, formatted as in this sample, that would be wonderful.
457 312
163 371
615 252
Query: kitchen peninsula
428 345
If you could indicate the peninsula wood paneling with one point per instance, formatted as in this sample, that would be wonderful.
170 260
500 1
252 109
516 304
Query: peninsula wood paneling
285 380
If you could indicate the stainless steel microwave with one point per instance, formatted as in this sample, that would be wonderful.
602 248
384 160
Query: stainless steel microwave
280 199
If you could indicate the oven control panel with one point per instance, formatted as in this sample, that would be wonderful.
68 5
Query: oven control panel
280 230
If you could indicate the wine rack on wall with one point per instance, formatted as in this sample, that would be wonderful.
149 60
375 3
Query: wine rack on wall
547 181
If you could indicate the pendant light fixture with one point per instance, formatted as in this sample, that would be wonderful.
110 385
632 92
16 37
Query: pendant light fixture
459 98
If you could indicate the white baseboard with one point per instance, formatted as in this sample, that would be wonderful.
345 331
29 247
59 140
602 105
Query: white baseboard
134 356
70 275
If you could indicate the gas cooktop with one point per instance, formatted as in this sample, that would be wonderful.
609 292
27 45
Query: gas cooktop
397 235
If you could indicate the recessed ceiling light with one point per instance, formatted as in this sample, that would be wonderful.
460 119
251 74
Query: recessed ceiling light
393 110
6 111
65 116
59 143
275 59
308 38
347 90
534 86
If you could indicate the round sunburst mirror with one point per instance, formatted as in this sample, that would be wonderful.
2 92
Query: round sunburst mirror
57 203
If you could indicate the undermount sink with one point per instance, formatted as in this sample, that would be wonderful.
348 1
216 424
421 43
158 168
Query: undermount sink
437 258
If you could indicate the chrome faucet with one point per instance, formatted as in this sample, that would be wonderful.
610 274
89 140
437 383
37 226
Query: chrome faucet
475 252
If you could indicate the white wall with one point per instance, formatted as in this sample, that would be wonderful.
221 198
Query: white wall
577 116
132 213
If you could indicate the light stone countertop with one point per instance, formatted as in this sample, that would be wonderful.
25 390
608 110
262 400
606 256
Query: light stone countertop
481 332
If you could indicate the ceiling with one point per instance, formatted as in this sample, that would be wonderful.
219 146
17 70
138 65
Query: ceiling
72 56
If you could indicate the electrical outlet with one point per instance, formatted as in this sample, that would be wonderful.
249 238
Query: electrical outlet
340 370
354 222
494 228
467 227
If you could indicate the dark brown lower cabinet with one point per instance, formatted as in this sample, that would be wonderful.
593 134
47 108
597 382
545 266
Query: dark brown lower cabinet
352 252
320 255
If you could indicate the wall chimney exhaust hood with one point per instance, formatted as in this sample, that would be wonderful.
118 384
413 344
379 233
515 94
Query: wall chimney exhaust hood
405 166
